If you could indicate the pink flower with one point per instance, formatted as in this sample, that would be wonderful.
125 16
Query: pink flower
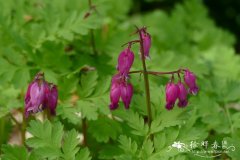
120 88
182 96
126 94
115 92
125 61
146 42
190 80
34 98
172 93
40 95
52 98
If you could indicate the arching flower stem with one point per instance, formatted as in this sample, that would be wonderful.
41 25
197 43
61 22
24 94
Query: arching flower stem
131 42
158 73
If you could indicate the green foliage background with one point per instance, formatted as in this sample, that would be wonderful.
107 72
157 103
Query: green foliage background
53 37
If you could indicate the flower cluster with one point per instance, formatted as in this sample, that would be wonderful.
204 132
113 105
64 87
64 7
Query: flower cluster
120 87
40 95
178 91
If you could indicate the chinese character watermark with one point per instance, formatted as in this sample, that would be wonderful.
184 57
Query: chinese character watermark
204 148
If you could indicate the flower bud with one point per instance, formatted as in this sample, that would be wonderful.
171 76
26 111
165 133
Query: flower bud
146 43
125 61
172 92
182 96
190 80
126 94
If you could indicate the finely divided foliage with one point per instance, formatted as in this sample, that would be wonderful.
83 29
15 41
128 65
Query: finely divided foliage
70 91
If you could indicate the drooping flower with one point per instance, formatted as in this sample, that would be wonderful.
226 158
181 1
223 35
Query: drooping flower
120 88
146 37
52 98
40 95
126 94
125 61
190 80
115 92
182 96
34 99
172 92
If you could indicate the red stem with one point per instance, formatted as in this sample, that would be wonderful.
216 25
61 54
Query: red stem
131 42
157 73
146 81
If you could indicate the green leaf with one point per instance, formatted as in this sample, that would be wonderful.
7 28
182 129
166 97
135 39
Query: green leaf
166 138
14 57
87 83
162 141
104 128
69 112
48 152
147 149
156 125
21 78
69 147
3 111
65 34
231 91
109 151
84 154
128 145
9 100
50 76
168 119
236 120
34 156
66 87
83 26
87 110
159 141
136 122
102 86
217 121
46 138
102 104
14 153
228 58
